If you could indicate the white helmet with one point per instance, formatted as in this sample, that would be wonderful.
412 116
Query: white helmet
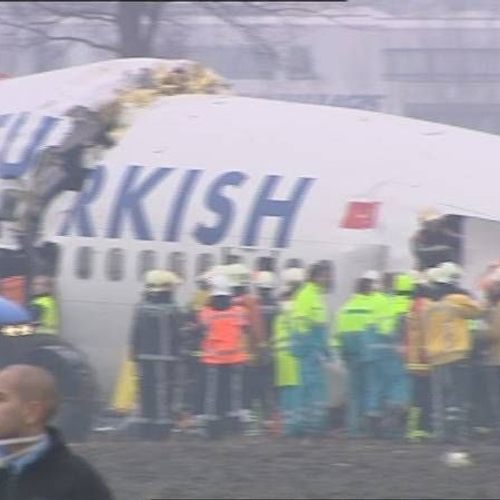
436 275
215 270
219 285
372 276
265 279
238 274
451 273
294 275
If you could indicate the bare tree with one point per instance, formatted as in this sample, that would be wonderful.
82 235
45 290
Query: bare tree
130 29
131 26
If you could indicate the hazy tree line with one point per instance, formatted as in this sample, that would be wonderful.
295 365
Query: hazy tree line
49 30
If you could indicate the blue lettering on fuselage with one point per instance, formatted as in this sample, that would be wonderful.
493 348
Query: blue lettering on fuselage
16 128
131 194
128 202
178 211
222 206
138 182
286 210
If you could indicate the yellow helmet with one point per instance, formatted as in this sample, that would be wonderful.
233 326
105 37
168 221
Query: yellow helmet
428 215
159 280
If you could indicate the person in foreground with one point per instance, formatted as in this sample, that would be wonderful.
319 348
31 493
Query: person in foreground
35 464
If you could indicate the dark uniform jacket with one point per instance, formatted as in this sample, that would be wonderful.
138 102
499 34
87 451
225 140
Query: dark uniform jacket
432 248
57 474
156 330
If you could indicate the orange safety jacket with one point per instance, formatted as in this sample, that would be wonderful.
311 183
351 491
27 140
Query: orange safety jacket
224 342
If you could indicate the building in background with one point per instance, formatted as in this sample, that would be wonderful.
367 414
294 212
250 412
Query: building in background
444 67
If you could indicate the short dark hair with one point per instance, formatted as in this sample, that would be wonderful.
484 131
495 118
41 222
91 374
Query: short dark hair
318 268
364 286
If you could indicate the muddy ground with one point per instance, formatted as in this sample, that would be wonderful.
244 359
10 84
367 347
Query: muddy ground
270 468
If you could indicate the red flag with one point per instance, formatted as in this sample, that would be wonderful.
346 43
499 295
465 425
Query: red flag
361 215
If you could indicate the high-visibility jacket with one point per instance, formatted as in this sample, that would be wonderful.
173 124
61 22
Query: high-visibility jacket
448 338
309 315
414 337
384 310
309 309
224 342
383 335
48 320
351 324
287 371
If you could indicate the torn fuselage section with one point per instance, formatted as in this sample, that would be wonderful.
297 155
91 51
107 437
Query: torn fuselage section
24 201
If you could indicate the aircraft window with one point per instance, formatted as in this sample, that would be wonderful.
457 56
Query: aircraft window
294 263
49 257
115 264
230 258
266 264
204 262
146 261
177 263
84 262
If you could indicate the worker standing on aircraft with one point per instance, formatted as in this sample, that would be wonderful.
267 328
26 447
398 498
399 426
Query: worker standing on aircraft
310 345
224 355
350 328
434 243
43 306
156 345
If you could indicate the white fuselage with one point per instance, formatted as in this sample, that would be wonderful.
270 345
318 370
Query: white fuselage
197 175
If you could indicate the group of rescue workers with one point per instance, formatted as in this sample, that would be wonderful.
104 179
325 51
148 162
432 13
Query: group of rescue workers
421 354
405 339
223 360
245 358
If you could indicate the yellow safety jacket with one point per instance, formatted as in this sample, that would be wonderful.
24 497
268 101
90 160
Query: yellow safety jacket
448 337
351 324
49 317
417 361
309 308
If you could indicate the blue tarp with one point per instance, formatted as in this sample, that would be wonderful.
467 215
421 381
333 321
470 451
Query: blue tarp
12 313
